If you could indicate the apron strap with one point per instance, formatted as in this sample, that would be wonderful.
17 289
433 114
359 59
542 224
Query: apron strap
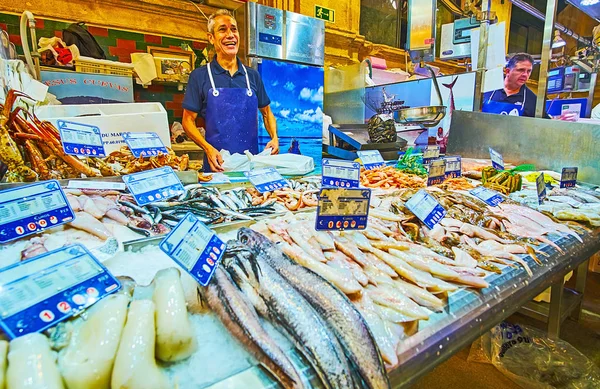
524 99
249 92
492 95
214 88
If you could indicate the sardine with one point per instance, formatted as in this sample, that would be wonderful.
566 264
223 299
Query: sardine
341 315
238 215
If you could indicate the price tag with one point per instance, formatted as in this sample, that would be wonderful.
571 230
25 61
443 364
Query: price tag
337 173
153 185
431 153
194 247
101 185
568 178
490 197
371 159
266 180
426 208
497 160
453 166
81 139
541 188
33 208
144 144
343 209
38 293
437 172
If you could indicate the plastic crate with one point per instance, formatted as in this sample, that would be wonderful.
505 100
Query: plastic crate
101 66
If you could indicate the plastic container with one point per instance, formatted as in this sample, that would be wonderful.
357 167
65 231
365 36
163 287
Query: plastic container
102 66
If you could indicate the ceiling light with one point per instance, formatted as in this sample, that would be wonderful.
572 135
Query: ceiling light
558 41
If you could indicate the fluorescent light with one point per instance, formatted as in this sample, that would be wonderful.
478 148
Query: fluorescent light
558 41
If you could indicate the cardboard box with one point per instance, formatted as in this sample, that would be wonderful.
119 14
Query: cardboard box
594 264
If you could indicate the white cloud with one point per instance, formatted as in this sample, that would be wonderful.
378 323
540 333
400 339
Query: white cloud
310 115
284 113
275 104
275 83
313 95
289 86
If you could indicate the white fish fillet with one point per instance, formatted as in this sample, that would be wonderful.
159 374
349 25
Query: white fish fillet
300 239
86 222
462 258
32 364
391 298
337 259
377 327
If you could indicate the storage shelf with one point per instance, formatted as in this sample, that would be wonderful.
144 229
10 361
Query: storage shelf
540 311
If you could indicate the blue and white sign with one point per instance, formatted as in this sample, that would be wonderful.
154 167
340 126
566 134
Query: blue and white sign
490 197
81 139
33 208
194 247
266 180
568 177
431 153
341 174
453 166
371 159
38 293
343 209
497 160
437 172
541 188
153 185
144 144
426 208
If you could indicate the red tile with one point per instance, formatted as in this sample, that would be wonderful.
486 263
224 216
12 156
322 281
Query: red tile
178 98
16 39
153 39
198 45
136 96
178 112
126 44
156 88
97 31
3 26
39 23
171 105
119 51
125 58
58 34
175 47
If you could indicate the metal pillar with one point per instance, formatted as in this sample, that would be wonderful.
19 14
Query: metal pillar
590 98
580 280
540 105
556 302
482 53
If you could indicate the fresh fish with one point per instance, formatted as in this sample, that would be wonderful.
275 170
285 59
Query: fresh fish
301 236
340 261
215 199
339 313
389 297
235 214
86 222
229 202
131 205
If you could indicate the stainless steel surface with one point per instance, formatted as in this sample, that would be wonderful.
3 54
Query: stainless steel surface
556 306
304 39
420 41
266 22
590 98
540 105
426 116
580 281
540 310
450 50
549 144
482 55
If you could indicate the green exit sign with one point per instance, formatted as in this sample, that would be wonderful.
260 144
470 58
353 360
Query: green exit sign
325 13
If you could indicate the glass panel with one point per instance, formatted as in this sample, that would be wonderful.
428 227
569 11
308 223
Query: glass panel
379 21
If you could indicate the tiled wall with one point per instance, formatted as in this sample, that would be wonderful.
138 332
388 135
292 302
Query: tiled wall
117 45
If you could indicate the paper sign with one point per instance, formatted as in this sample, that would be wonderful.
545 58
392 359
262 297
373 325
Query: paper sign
568 177
371 159
572 108
154 185
541 188
497 160
453 166
81 139
266 180
343 209
437 172
26 210
144 144
338 173
490 197
426 208
38 293
431 153
100 185
194 247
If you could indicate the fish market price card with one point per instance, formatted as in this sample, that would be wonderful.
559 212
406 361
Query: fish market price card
540 185
154 185
426 208
431 153
497 160
33 208
266 180
194 247
81 139
437 172
341 174
568 177
38 293
144 144
343 209
453 166
371 159
490 197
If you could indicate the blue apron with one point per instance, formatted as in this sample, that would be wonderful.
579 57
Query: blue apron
231 119
497 107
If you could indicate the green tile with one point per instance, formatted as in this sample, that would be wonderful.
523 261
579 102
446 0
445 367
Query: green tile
141 45
134 36
9 19
105 42
167 41
13 29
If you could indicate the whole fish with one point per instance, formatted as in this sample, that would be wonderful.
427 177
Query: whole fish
341 315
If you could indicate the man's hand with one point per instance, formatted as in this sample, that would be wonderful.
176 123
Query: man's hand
215 161
274 145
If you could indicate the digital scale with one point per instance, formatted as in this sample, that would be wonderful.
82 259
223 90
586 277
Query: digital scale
346 139
456 38
556 79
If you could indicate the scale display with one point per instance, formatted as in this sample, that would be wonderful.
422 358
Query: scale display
38 293
266 180
153 185
194 247
33 208
343 209
338 173
144 144
81 139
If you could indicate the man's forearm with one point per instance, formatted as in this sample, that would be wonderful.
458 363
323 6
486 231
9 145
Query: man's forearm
271 125
189 126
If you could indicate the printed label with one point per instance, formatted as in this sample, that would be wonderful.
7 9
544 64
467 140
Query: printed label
437 172
453 166
144 144
568 178
81 139
154 185
497 160
342 174
426 208
343 209
371 159
490 197
266 180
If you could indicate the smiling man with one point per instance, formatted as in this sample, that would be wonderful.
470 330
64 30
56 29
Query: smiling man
515 98
228 95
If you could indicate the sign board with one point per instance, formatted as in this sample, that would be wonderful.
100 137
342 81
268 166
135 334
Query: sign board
371 159
153 185
568 177
342 174
88 88
266 180
426 208
343 209
326 14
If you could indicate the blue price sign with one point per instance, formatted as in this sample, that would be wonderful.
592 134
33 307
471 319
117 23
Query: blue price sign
194 247
426 208
568 178
144 144
266 180
541 188
343 209
38 293
453 166
33 208
431 153
490 197
81 139
341 174
497 160
437 172
371 159
153 185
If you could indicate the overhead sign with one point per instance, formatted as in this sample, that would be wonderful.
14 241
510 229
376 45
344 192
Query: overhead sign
326 14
